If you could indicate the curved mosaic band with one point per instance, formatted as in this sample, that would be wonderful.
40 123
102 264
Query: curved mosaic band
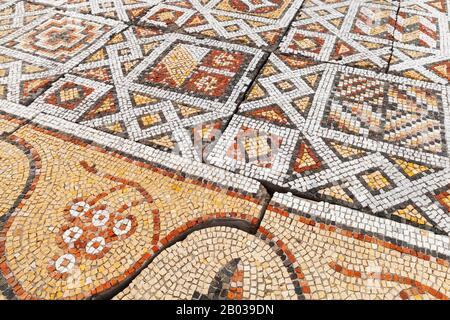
302 250
373 142
8 124
108 214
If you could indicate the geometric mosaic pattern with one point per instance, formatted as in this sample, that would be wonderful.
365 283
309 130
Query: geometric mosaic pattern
124 10
15 15
353 32
255 23
44 45
224 149
422 47
407 38
222 263
372 142
114 215
170 91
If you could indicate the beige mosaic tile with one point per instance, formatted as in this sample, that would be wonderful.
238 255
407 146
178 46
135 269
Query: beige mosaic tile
302 250
109 110
8 124
108 214
214 263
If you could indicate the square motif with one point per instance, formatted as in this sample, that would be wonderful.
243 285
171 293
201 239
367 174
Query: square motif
171 91
45 47
255 23
208 83
255 146
16 15
205 73
59 38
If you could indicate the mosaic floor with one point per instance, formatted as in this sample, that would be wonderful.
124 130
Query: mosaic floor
224 149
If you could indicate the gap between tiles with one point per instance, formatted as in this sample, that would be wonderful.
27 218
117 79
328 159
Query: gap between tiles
270 188
393 37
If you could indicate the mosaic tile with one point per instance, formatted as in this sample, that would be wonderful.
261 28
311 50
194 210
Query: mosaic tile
56 3
125 10
167 90
256 23
13 115
422 47
6 3
365 140
342 258
358 33
8 124
43 46
108 109
109 212
302 250
15 15
219 263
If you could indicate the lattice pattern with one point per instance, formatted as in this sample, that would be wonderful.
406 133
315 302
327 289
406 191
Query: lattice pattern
170 91
43 45
422 46
256 23
345 102
369 141
125 10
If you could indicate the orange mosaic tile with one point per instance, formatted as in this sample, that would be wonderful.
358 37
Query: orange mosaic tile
159 149
108 214
302 250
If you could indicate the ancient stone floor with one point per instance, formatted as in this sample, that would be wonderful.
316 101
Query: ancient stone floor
224 149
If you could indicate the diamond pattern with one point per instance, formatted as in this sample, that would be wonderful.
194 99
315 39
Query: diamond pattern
352 32
43 46
361 139
111 106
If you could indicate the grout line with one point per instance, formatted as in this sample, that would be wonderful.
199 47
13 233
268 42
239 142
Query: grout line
25 122
393 37
288 28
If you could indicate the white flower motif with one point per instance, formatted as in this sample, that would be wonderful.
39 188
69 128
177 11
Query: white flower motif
100 218
122 227
71 235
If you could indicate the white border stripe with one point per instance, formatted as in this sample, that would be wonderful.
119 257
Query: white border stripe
358 220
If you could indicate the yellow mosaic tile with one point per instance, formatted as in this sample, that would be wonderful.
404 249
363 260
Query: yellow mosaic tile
8 124
376 181
107 214
296 254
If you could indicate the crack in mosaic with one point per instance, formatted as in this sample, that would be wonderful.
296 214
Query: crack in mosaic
167 90
113 107
354 137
